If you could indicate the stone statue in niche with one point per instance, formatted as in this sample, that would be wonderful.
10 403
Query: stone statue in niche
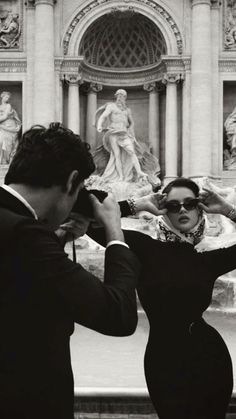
121 158
9 30
10 125
230 25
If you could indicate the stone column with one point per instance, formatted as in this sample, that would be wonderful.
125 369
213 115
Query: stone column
91 133
44 75
30 28
217 139
153 118
171 126
201 100
186 97
73 81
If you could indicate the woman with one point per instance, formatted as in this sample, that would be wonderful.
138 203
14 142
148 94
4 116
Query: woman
187 364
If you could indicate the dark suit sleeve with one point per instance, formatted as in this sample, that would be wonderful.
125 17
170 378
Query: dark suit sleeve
138 242
220 261
108 307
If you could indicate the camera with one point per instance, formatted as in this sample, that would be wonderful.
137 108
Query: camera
83 204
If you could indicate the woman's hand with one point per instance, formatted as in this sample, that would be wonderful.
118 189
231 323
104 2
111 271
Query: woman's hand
153 203
212 202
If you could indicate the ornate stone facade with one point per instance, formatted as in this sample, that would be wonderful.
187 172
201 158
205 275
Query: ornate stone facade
53 52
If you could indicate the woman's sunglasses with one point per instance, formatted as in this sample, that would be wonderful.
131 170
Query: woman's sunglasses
175 206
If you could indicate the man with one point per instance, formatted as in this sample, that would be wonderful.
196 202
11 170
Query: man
115 119
42 292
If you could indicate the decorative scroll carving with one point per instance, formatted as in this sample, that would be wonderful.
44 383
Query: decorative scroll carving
230 25
150 3
95 87
72 78
150 87
171 78
10 29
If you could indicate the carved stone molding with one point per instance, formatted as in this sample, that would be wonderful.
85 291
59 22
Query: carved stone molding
11 18
136 77
75 79
150 87
29 3
197 2
49 2
174 65
68 65
171 78
95 87
229 25
227 65
13 66
216 3
94 4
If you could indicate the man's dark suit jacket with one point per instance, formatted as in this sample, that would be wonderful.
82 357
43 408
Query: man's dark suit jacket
42 294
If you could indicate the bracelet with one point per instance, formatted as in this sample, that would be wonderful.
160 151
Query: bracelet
232 213
132 205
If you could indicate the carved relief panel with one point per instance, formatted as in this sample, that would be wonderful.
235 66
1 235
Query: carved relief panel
230 24
10 24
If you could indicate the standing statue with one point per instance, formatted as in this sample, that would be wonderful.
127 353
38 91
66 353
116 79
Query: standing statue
124 157
10 125
116 122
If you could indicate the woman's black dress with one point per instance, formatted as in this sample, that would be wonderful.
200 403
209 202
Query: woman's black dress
188 368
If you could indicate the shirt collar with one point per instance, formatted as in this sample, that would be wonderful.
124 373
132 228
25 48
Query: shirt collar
20 197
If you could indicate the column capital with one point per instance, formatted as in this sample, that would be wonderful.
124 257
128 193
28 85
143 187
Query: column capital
95 87
171 78
48 2
197 2
72 78
216 4
30 4
150 87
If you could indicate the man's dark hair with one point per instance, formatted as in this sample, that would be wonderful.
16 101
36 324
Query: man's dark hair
45 157
184 183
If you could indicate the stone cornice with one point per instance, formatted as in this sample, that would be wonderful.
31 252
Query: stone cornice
227 65
157 9
68 65
133 77
13 66
175 64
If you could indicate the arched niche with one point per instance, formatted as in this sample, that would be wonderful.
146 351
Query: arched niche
88 13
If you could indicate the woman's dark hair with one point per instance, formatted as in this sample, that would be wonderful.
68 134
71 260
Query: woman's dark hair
184 183
46 157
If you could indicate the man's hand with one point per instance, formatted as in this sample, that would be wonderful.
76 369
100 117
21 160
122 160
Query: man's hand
213 203
107 213
74 228
153 203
